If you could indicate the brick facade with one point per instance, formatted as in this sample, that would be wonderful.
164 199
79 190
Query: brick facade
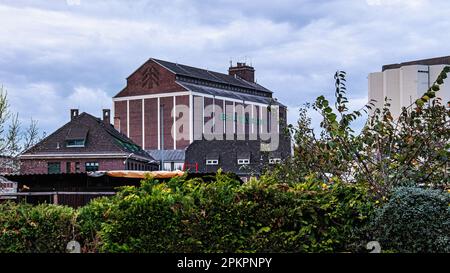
120 118
151 127
41 166
150 78
136 121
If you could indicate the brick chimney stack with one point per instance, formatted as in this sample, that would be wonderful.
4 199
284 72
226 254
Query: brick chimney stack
73 113
107 116
242 70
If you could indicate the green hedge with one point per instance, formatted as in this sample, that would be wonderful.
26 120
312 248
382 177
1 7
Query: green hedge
35 229
190 215
414 220
225 216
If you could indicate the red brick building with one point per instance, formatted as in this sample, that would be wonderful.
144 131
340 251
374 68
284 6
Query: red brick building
85 143
166 106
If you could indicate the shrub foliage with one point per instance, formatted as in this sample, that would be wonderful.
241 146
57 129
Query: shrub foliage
414 220
35 229
225 216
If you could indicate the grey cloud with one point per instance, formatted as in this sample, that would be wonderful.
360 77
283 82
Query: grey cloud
295 46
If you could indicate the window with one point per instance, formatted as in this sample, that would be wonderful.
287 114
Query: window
243 161
77 167
75 143
274 160
167 166
68 167
178 166
54 167
212 162
91 166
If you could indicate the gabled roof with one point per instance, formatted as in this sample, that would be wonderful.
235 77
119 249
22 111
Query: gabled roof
100 138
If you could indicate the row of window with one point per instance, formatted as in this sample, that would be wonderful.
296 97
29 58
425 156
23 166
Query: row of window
55 167
172 166
136 166
243 161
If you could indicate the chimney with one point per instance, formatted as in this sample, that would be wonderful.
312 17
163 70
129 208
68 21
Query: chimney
242 70
106 116
73 113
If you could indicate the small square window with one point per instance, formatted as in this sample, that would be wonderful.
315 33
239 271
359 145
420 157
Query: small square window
245 161
54 167
212 162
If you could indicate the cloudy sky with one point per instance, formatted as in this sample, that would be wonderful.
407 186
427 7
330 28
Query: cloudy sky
62 54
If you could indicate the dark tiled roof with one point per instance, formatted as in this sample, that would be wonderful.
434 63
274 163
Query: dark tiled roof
100 138
229 151
229 94
212 156
79 132
207 75
168 155
433 61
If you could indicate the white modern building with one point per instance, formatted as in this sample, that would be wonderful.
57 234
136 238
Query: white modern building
404 83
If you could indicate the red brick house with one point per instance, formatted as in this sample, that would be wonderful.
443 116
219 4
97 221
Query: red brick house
85 143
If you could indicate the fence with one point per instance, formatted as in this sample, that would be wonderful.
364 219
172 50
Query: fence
73 199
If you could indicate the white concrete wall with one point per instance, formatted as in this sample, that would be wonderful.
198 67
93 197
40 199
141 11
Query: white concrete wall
376 89
391 86
410 79
405 85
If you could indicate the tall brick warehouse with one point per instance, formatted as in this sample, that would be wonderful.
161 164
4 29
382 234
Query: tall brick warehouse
165 107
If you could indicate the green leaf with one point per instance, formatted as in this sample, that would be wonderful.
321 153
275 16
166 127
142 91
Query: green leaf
420 102
332 117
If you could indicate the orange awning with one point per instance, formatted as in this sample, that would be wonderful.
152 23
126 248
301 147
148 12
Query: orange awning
143 174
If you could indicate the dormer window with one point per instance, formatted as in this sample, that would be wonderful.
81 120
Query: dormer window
212 159
75 143
76 136
243 158
212 162
274 161
243 161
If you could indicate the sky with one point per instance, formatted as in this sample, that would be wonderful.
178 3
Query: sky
61 54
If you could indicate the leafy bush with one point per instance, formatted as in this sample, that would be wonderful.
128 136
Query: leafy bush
414 220
224 216
409 150
35 229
